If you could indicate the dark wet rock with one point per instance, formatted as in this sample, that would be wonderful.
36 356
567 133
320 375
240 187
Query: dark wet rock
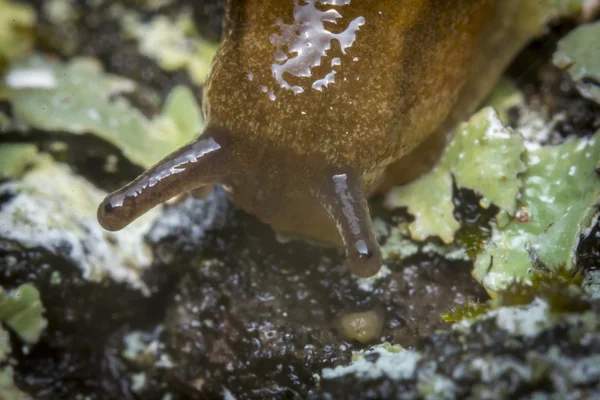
252 314
72 356
552 92
184 226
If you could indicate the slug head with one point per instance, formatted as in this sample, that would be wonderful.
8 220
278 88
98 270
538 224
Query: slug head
306 199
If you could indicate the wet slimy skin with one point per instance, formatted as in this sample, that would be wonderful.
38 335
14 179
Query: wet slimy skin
313 105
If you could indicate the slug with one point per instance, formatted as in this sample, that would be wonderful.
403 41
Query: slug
314 105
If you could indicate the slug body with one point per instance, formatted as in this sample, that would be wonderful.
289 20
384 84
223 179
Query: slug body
313 105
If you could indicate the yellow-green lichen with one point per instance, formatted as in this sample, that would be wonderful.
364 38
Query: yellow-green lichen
574 56
483 156
22 311
16 30
8 389
173 43
15 158
558 202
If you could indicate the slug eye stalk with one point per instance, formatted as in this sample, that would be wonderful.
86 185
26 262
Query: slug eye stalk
344 201
199 163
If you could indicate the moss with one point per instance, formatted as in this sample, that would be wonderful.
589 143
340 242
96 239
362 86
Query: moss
468 311
561 290
474 220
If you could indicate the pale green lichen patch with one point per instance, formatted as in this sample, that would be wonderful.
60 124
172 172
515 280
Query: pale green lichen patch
548 198
16 30
78 97
559 203
505 96
433 210
432 386
8 389
173 43
591 283
486 157
483 156
5 347
574 56
181 118
395 365
54 209
22 310
15 158
60 12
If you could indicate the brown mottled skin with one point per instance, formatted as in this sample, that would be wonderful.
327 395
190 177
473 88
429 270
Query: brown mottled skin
306 162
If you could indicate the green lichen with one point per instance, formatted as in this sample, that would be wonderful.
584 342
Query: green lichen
15 158
432 209
574 56
557 189
395 364
181 118
591 283
559 203
8 389
5 348
505 95
556 8
483 156
398 245
22 310
79 98
16 30
385 346
173 43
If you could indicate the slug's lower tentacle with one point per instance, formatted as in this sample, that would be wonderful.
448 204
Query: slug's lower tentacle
346 205
199 163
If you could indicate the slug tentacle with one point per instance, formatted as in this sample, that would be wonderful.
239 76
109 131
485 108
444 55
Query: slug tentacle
197 164
346 204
